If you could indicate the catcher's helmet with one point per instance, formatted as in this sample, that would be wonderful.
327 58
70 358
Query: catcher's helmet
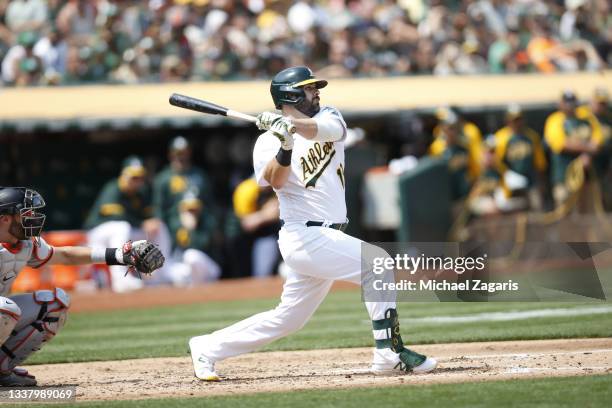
25 202
286 87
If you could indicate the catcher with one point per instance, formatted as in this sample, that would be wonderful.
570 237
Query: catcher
28 320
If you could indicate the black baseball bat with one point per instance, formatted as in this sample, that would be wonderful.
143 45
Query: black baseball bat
199 105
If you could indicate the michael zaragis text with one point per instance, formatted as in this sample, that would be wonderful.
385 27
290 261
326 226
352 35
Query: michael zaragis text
443 285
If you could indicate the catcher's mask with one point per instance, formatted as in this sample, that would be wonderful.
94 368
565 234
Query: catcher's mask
27 203
287 86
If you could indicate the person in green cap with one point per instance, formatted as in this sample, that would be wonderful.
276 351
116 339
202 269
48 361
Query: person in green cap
175 180
123 211
453 145
570 134
29 67
600 110
520 153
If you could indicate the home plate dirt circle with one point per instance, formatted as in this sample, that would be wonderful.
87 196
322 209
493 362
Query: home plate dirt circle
332 368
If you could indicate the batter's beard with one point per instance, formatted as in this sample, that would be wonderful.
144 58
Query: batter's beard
308 108
16 230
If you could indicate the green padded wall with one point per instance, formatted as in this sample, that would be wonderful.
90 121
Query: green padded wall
425 202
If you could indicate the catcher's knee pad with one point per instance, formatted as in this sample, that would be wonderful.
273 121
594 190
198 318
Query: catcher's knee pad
42 317
390 324
10 313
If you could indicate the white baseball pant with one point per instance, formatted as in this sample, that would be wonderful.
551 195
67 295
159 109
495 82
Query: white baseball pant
317 256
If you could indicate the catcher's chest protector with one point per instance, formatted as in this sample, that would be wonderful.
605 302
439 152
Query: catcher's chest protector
12 261
14 258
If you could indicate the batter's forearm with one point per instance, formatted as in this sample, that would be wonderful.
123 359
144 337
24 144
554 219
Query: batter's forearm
320 129
276 174
307 128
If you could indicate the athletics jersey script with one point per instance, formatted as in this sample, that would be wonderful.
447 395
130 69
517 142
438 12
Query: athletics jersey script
13 258
315 189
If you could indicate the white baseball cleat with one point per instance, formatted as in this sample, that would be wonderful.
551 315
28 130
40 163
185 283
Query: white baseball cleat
203 367
426 366
387 362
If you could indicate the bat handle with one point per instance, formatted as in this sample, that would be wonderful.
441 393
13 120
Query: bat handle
239 115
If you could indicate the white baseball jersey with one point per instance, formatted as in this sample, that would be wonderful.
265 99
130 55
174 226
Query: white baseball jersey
315 188
13 258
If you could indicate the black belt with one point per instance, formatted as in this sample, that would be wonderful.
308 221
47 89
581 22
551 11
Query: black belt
337 226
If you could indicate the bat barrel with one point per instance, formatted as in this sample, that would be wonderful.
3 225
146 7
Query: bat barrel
198 105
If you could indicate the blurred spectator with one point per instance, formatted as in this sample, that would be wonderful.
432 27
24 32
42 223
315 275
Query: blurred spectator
484 197
599 107
492 193
26 15
545 52
27 67
223 40
519 150
77 19
603 112
257 211
471 133
53 50
122 212
463 158
505 55
77 67
570 134
128 71
192 236
178 178
576 22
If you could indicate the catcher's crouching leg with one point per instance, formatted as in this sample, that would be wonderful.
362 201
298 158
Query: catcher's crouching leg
43 314
10 314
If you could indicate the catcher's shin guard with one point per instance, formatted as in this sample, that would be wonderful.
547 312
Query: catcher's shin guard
390 331
44 313
10 314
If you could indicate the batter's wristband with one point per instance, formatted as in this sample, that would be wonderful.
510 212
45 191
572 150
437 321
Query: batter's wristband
283 157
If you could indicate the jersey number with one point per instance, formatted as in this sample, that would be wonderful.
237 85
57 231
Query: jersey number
340 173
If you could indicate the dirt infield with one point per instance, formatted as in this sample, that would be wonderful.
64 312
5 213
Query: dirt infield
336 368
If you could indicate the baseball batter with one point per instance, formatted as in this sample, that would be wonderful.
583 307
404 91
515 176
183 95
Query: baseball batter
28 320
306 170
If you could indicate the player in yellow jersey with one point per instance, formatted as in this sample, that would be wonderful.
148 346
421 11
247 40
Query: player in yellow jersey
570 133
518 149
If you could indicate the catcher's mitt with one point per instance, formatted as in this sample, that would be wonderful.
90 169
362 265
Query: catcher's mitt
142 257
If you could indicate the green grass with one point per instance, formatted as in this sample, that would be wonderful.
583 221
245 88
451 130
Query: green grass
592 391
341 321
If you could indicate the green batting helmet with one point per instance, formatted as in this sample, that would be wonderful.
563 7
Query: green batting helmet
286 87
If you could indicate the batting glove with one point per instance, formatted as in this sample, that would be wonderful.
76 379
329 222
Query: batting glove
265 120
280 129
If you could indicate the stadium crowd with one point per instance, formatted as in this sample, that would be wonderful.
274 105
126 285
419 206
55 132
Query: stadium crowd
83 41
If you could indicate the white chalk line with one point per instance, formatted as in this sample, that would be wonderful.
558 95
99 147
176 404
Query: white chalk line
526 370
531 355
512 315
